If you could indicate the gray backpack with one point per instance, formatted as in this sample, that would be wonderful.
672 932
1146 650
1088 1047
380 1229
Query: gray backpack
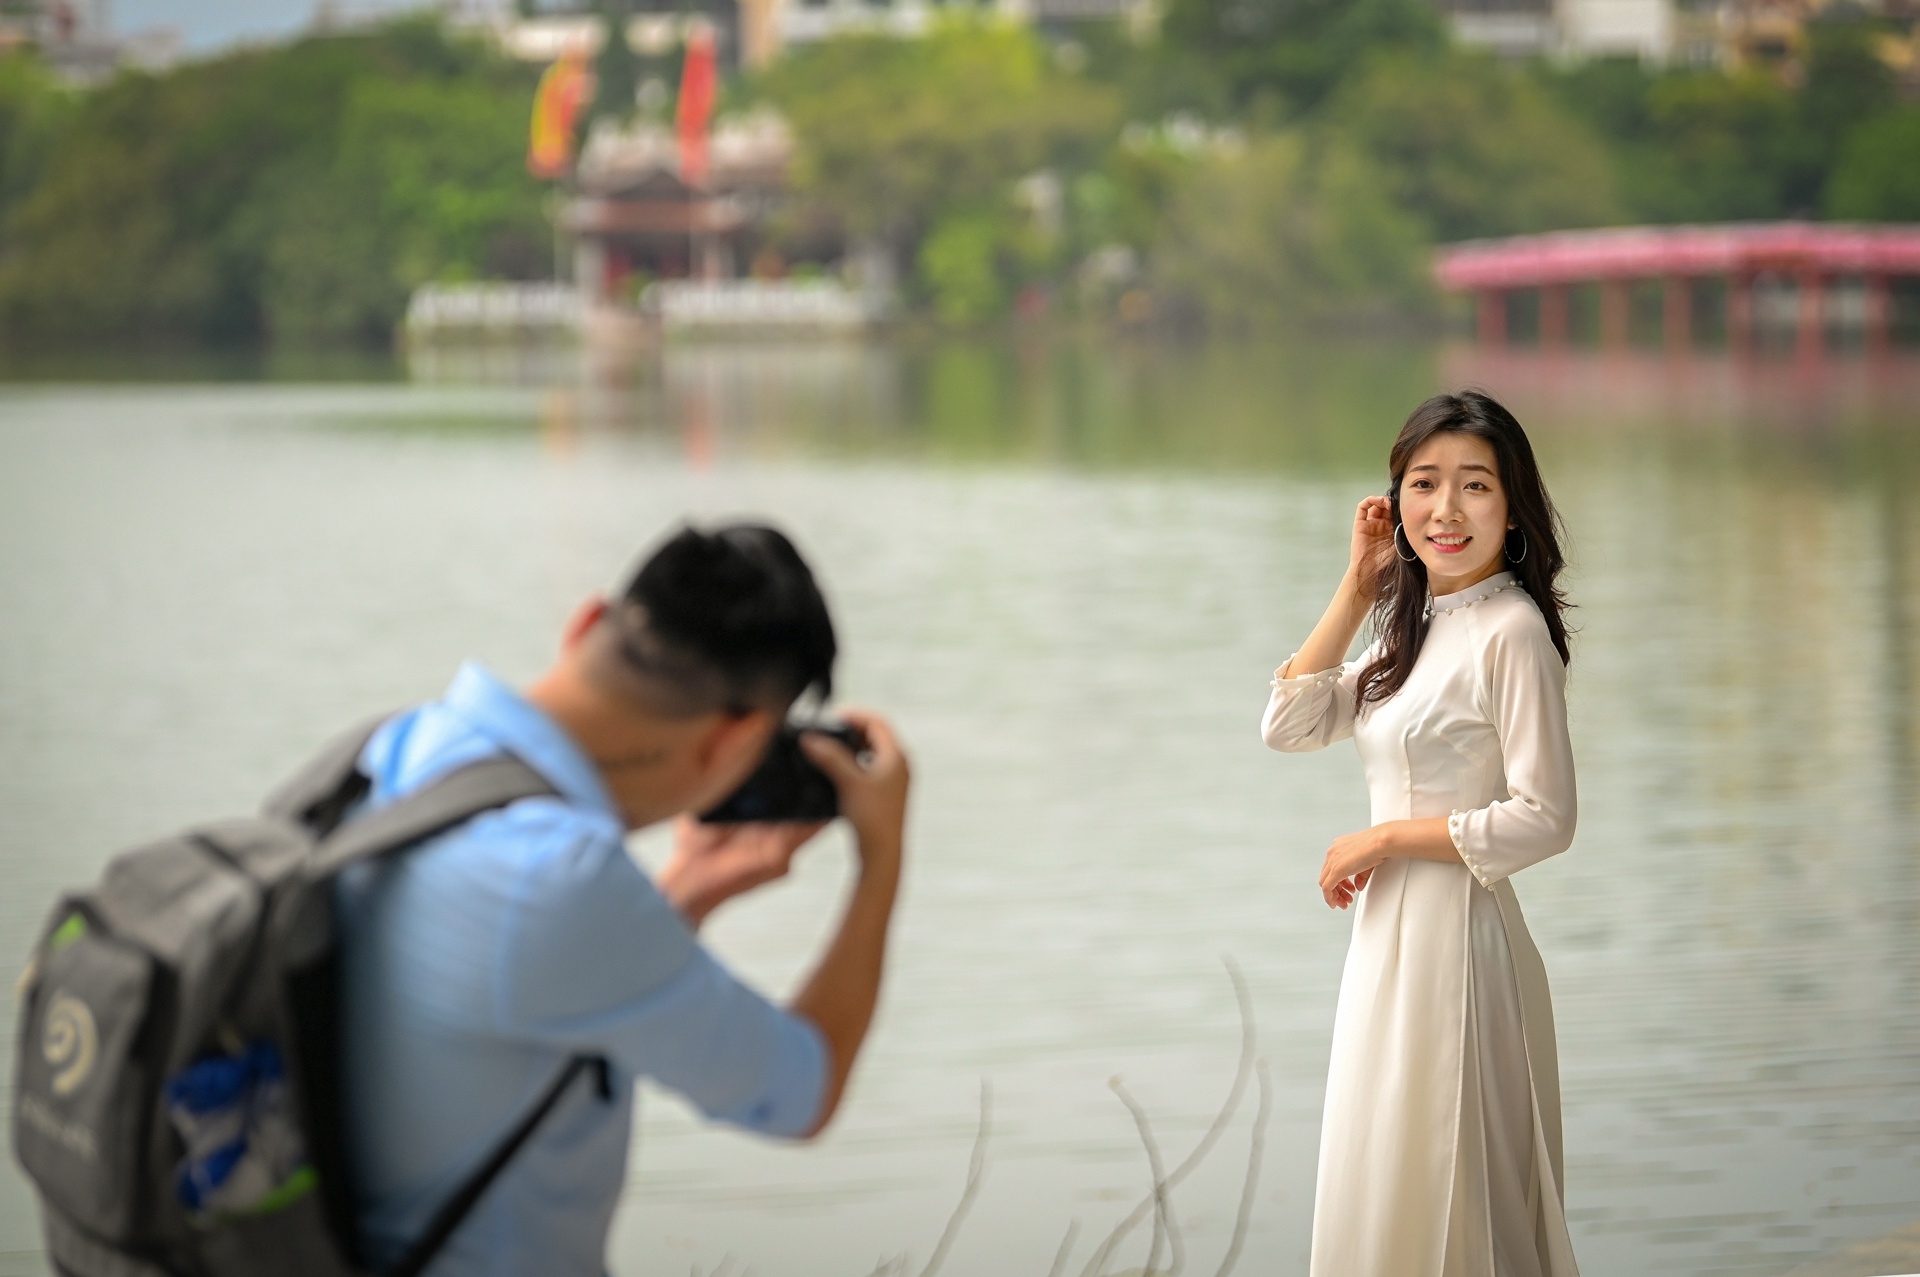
177 1098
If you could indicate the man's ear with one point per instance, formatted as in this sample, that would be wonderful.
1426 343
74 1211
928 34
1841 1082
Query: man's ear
589 614
734 742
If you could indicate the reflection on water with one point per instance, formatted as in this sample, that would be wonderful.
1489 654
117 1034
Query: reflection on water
1073 403
1069 569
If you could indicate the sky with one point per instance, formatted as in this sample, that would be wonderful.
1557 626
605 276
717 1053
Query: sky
207 25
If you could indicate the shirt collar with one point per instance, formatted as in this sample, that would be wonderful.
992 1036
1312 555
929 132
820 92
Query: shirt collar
1473 593
510 721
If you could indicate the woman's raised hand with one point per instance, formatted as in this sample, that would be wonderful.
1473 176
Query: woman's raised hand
1372 538
1327 646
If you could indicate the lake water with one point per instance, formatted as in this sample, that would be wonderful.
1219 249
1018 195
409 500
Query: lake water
1068 571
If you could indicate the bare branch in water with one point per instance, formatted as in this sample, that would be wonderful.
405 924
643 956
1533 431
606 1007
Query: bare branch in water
1254 1152
1066 1248
1164 1225
1200 1150
976 1171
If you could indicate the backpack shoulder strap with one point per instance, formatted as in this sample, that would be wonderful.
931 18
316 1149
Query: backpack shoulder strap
452 799
328 784
456 797
456 1208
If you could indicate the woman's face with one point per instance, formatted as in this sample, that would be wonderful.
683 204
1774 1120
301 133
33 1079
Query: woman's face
1454 510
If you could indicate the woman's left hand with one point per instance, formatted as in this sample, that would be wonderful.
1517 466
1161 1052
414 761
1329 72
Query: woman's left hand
1350 862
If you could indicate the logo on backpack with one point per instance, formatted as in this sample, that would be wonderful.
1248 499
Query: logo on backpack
69 1042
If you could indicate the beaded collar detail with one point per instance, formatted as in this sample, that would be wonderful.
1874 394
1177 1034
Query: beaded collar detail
1473 594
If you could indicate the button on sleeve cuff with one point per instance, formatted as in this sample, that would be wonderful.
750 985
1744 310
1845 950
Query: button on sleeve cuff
1282 680
1462 836
1309 712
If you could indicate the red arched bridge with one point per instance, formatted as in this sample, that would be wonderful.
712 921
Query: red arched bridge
1815 258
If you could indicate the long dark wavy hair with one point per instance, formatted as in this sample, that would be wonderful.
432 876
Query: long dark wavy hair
1400 615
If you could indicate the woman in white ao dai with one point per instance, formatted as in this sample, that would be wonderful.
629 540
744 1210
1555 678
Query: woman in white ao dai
1441 1150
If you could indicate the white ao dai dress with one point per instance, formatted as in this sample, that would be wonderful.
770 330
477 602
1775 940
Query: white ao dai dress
1440 1150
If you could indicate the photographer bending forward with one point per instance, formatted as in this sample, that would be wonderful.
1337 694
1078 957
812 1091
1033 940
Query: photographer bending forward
477 965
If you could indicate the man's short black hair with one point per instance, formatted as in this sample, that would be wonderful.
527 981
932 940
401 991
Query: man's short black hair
730 615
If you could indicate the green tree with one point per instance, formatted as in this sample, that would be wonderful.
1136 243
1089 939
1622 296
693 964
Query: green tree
34 108
1125 200
1878 175
427 183
962 266
1472 147
1708 145
166 202
1296 51
1724 146
1609 95
1847 84
896 135
1287 231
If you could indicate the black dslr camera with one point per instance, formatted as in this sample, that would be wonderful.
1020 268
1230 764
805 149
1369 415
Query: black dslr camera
787 786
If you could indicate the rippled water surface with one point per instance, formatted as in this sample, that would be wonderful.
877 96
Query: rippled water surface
1068 572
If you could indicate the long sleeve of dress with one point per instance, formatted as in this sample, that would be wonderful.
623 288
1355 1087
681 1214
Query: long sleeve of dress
1310 712
1524 683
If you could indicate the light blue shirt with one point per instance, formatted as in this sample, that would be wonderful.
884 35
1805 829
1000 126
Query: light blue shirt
476 964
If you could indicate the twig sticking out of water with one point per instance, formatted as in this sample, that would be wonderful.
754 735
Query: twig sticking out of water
1241 1077
1066 1248
1255 1150
976 1171
1164 1224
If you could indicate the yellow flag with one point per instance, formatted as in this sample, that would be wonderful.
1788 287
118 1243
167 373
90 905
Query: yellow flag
556 111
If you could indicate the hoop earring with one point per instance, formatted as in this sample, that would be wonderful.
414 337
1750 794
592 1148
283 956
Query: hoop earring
1522 558
1398 536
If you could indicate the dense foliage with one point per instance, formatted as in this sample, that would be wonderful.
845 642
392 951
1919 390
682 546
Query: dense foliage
920 146
299 191
1251 161
1703 145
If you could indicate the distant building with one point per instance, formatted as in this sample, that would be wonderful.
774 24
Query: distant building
634 219
747 34
77 39
1770 34
1511 28
1765 33
1613 28
753 32
1566 28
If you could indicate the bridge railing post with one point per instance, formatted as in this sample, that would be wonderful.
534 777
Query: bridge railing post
1740 311
1812 316
1676 313
1553 316
1878 318
1616 301
1490 316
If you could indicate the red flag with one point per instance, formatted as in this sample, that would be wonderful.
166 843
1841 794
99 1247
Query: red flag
698 84
564 89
